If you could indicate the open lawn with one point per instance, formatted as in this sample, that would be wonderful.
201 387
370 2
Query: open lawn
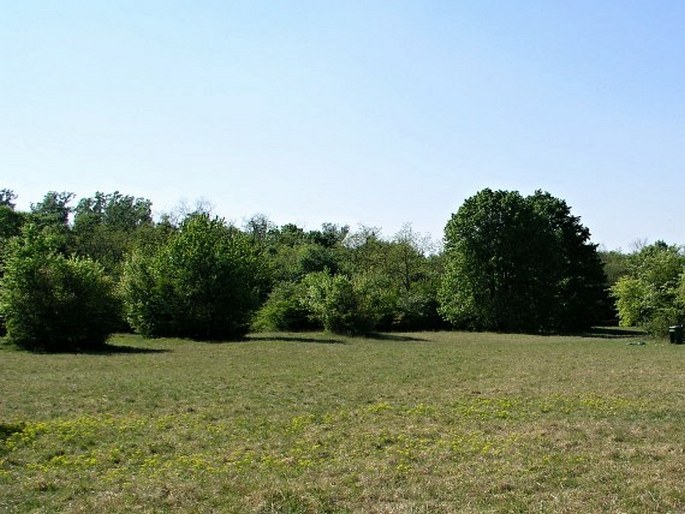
299 423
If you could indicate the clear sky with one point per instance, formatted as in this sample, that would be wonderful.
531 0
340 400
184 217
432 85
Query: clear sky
373 112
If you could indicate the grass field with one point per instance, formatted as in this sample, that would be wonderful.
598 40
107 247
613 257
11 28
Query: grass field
299 423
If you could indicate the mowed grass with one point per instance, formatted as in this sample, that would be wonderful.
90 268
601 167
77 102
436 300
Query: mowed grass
300 423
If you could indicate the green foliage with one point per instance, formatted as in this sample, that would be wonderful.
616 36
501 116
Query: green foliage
616 265
519 264
416 310
52 215
511 263
330 235
51 302
259 228
292 263
630 294
205 282
54 209
651 295
376 300
334 302
579 282
108 226
11 222
285 310
394 282
123 212
395 278
489 279
292 253
7 197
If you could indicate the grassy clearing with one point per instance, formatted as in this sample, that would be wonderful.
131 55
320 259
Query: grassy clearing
413 423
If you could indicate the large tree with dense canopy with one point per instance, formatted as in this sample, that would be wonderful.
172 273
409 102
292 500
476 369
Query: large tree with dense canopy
517 263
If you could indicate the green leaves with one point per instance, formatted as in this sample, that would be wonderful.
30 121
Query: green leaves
204 283
519 264
52 302
342 305
652 293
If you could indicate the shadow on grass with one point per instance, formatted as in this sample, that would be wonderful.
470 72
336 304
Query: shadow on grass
613 333
111 349
377 336
106 349
294 339
384 336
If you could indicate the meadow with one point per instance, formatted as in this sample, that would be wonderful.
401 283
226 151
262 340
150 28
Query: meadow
307 423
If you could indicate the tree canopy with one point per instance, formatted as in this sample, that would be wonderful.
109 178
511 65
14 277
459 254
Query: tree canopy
515 263
204 282
652 292
509 263
53 302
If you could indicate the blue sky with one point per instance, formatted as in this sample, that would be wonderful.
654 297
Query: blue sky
373 112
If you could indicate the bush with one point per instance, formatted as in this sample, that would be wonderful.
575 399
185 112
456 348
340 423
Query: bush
285 310
54 303
334 302
205 282
417 311
650 294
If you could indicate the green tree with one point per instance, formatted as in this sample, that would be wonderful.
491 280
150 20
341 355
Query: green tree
397 275
52 302
205 282
286 310
414 275
293 254
330 235
11 220
123 212
576 271
7 197
260 228
334 302
53 213
519 264
490 276
616 265
54 209
11 223
650 294
108 226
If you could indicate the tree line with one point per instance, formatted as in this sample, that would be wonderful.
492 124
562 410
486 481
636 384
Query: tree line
74 272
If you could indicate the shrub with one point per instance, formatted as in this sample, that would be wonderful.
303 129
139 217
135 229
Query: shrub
52 302
417 311
650 295
203 283
334 302
285 310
